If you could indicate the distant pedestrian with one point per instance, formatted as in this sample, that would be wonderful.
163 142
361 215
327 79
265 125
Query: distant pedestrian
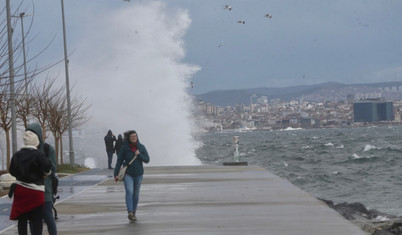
109 143
49 152
132 180
30 167
118 144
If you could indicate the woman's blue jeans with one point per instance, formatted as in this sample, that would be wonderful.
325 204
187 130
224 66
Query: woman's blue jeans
132 185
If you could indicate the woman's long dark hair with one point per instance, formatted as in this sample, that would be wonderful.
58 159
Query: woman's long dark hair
127 135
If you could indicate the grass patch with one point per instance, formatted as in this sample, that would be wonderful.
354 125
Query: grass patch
66 168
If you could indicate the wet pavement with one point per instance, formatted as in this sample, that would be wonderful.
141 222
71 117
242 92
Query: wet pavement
68 186
196 200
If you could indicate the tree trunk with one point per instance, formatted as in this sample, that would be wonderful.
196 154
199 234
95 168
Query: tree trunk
8 148
43 133
56 150
61 150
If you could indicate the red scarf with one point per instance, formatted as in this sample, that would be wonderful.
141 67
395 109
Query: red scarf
133 147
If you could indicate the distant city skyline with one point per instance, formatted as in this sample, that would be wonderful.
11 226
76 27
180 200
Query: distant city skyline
325 92
281 114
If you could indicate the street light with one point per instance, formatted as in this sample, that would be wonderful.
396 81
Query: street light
70 133
11 72
22 15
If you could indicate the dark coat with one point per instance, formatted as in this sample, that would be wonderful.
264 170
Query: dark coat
118 144
37 129
30 166
109 140
126 155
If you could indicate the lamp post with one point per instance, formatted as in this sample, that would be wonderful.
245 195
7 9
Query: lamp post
22 14
70 134
11 72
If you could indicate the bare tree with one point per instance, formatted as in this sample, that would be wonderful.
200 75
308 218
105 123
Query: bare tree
19 58
5 116
42 99
57 114
40 103
58 119
79 116
24 108
5 119
24 103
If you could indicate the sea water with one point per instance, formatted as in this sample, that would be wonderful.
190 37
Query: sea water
361 164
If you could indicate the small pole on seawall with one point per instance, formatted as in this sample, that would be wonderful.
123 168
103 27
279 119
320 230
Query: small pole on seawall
236 154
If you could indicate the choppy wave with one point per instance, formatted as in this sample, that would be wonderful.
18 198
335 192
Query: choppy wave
342 165
291 129
369 147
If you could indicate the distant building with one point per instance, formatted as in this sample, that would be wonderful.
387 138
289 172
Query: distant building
253 99
350 98
373 110
263 100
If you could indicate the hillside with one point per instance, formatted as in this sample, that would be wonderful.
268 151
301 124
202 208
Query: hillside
330 91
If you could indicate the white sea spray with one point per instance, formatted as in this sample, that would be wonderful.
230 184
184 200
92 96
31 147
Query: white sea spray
90 163
133 59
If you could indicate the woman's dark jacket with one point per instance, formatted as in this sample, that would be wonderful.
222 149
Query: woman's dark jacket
126 155
118 144
30 166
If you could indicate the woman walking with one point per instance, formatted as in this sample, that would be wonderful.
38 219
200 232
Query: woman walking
30 167
132 180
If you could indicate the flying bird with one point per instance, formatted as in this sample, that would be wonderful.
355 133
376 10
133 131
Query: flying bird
241 22
220 45
228 7
268 16
192 84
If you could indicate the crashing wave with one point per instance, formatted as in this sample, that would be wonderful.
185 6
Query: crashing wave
369 147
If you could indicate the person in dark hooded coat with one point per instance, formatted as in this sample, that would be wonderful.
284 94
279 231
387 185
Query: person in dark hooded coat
50 153
109 143
119 143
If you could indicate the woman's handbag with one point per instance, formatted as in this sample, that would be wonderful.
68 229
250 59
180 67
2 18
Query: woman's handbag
122 171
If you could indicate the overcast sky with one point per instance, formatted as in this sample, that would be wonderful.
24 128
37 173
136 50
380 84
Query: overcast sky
135 61
305 42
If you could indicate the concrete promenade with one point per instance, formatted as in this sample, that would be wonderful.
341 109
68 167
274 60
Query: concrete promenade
201 200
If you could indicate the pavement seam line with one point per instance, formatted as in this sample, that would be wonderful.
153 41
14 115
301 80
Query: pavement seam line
60 201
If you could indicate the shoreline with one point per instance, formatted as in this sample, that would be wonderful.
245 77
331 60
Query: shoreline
372 221
290 128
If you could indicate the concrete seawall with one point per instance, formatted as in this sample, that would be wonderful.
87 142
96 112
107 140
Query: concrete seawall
201 200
